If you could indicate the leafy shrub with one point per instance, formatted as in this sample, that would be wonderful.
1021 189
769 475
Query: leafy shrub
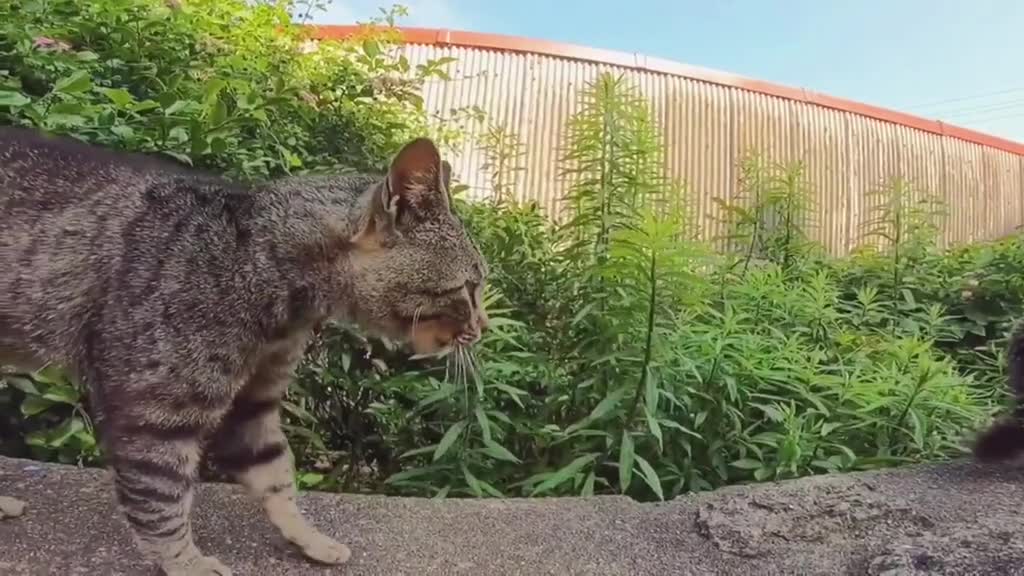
631 357
226 85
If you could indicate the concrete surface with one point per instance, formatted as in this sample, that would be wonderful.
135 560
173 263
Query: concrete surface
957 518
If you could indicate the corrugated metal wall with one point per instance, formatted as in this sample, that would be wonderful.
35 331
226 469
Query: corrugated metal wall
707 127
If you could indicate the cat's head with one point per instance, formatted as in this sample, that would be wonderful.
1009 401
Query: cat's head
417 275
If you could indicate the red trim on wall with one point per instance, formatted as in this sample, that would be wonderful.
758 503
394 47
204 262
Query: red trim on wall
502 43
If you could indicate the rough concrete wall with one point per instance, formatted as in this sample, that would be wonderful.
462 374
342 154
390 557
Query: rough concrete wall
955 518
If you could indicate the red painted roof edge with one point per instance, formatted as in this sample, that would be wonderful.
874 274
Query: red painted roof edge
500 42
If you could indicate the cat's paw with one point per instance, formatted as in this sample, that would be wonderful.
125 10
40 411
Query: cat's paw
325 550
201 566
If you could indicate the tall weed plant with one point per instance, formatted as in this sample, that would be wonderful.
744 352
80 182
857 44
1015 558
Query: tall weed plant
631 357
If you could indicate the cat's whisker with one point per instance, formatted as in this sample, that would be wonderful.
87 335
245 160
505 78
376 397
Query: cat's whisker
416 320
461 353
475 371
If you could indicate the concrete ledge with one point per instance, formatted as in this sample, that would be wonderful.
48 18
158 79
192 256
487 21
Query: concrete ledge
957 518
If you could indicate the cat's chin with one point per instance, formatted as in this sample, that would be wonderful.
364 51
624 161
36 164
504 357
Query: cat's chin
440 353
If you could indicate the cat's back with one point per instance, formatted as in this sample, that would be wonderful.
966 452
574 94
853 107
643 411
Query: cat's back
42 173
81 219
62 200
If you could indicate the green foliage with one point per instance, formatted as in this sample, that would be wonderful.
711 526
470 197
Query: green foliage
52 422
630 358
771 214
503 154
625 355
225 85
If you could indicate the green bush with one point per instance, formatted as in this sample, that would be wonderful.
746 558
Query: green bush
632 358
227 85
626 354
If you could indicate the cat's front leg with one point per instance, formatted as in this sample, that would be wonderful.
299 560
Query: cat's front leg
252 448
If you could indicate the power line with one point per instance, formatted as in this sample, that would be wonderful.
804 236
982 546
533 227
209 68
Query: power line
983 109
963 99
996 118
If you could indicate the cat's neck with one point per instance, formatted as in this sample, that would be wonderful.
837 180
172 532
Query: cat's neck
306 224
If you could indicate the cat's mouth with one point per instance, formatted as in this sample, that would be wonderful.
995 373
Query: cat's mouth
435 335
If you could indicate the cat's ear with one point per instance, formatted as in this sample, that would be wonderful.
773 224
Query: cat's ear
418 179
446 175
416 187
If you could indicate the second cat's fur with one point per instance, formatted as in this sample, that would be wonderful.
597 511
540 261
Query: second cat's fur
183 301
1004 438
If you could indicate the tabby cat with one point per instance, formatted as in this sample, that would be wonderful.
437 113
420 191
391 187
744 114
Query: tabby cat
184 301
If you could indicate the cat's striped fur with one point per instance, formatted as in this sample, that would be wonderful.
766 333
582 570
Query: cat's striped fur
184 301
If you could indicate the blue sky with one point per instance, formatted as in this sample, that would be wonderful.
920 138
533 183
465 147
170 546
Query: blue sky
961 61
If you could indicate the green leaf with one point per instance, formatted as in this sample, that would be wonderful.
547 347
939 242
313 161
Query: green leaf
218 114
86 56
448 439
13 99
588 486
118 96
212 89
495 450
625 461
746 464
512 392
63 394
680 427
145 106
64 120
33 405
610 402
218 145
175 107
37 438
472 482
445 391
499 322
418 451
563 474
78 81
650 476
408 475
651 393
23 384
652 425
310 479
69 428
500 416
371 47
183 158
491 489
485 424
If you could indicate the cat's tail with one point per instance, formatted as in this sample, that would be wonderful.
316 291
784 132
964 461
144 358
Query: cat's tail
1005 438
